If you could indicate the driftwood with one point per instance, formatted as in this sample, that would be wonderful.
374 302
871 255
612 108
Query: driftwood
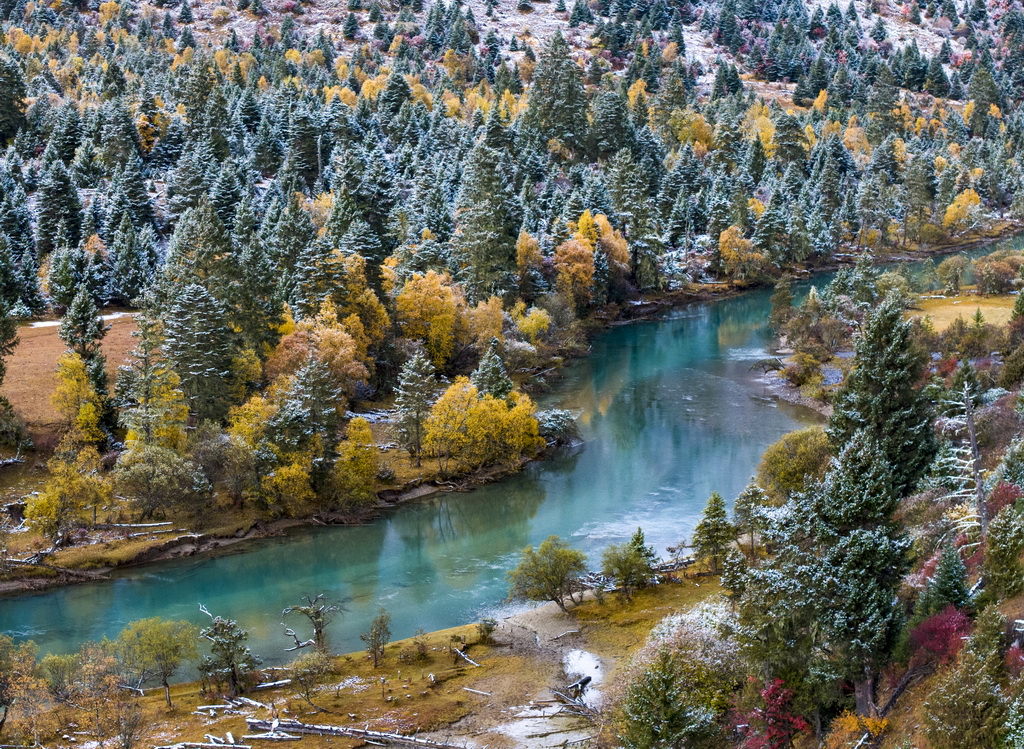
476 691
200 745
564 634
272 684
295 726
60 570
466 657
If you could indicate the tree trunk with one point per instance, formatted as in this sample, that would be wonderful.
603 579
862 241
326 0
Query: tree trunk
976 459
864 692
167 692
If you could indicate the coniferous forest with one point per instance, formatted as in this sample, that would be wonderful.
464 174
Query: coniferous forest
273 261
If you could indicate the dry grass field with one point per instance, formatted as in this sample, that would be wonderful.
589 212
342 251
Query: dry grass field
31 371
943 311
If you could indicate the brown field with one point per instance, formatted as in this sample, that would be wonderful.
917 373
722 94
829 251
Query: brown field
31 371
942 312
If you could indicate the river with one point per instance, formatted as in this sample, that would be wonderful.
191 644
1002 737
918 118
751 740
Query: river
670 411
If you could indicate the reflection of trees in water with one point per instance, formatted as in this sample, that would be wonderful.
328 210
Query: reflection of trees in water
454 533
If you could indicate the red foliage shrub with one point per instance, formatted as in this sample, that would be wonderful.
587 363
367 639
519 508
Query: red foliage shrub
775 725
1003 495
946 367
1014 660
940 637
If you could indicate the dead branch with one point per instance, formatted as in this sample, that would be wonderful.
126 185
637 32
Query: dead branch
295 726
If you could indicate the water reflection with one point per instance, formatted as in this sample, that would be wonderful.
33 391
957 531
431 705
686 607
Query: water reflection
670 412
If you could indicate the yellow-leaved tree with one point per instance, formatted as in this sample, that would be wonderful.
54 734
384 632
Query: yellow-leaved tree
75 487
739 257
963 214
574 263
431 308
355 471
76 401
467 430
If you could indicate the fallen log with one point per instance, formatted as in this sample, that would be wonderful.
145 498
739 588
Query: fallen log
58 570
569 632
295 726
476 691
467 658
199 745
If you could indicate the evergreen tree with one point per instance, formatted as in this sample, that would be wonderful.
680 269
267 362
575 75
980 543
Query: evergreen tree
558 109
12 98
490 376
198 344
413 400
714 533
881 397
60 210
487 225
946 587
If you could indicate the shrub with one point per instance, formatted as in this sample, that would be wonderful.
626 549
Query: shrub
802 369
794 462
938 638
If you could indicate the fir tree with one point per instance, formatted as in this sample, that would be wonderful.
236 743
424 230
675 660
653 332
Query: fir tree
198 344
558 109
490 376
714 533
413 400
12 98
880 396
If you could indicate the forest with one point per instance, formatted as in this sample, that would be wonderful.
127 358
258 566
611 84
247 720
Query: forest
303 214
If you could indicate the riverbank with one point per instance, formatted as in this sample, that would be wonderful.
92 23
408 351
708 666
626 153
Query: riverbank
501 695
114 552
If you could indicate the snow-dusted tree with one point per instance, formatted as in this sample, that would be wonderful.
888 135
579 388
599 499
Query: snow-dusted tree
413 400
714 532
490 375
230 658
881 396
199 344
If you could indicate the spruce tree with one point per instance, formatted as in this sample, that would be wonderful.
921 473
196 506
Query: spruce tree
59 209
881 397
413 400
490 376
558 108
714 533
487 224
199 345
12 98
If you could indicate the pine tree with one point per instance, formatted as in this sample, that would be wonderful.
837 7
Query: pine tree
413 400
230 658
746 514
558 109
487 225
880 396
12 98
490 376
81 328
946 587
659 709
59 209
153 408
714 533
198 344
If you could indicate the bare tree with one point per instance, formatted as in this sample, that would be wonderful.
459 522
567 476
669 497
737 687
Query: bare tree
320 615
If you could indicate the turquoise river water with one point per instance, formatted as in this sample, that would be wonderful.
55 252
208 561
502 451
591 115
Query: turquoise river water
670 411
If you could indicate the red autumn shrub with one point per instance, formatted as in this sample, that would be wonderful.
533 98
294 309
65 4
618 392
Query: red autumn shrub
1003 495
1014 660
939 638
775 725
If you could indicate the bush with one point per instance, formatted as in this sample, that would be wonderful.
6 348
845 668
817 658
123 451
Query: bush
938 638
794 462
802 369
